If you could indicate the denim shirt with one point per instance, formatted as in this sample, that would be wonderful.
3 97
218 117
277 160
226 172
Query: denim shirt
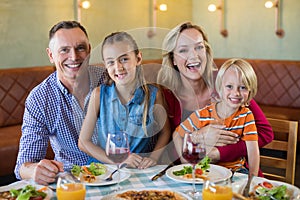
114 116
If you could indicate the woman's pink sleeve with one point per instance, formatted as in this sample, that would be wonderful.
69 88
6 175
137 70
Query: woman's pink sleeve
265 136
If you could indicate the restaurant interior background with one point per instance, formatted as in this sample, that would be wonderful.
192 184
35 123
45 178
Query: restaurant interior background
24 26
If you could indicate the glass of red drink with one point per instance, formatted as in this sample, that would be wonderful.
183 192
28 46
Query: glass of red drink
193 150
117 149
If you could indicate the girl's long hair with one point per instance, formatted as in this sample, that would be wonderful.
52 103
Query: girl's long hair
125 37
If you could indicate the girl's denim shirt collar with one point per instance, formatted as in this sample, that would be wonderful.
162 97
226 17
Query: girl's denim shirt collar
138 96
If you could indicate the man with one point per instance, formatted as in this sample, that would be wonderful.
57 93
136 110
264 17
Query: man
54 110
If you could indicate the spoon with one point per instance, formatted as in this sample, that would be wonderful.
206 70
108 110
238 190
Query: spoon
120 167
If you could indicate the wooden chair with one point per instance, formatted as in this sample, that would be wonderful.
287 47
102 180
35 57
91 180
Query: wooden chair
282 151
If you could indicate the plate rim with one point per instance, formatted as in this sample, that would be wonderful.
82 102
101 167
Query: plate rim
110 196
171 176
154 169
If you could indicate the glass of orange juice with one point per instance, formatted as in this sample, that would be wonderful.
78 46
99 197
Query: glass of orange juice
220 190
69 187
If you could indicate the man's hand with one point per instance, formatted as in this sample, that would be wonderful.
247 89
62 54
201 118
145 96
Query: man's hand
43 172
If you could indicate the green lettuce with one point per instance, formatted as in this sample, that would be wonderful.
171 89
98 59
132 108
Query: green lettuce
204 164
26 193
97 169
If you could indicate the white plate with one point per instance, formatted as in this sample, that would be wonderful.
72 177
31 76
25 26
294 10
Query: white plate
256 180
21 184
216 173
113 196
100 180
149 170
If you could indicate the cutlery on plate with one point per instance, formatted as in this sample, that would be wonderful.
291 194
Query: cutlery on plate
247 187
239 196
164 171
51 188
111 175
234 169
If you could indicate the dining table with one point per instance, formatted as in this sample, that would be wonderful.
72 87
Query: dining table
141 179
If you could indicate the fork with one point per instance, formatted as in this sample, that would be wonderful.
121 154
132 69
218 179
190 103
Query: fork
111 175
232 173
234 169
247 187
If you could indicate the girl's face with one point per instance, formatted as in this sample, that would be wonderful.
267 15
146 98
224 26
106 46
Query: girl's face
234 92
190 54
120 61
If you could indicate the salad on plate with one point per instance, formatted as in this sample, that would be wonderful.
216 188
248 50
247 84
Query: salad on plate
201 170
28 192
89 173
267 191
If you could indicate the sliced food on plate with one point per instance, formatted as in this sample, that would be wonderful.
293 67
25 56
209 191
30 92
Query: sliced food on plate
28 192
147 194
89 173
201 170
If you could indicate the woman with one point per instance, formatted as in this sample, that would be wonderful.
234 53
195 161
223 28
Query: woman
126 103
188 70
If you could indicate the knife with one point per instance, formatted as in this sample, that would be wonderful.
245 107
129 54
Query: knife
163 171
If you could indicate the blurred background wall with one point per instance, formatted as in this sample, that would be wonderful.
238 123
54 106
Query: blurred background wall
24 27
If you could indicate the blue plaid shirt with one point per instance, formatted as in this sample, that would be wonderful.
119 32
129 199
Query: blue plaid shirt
51 112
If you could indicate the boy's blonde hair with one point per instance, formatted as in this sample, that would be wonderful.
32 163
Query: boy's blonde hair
247 73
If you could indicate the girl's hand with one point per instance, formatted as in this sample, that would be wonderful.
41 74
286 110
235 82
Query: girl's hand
147 162
133 160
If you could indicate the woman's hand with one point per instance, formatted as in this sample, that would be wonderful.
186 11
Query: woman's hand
216 136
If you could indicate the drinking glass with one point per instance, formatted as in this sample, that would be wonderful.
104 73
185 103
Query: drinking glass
69 187
193 150
220 190
117 150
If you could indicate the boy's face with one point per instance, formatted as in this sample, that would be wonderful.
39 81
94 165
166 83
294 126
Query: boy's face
234 91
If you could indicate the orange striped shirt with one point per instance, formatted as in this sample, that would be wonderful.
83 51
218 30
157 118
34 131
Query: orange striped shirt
241 122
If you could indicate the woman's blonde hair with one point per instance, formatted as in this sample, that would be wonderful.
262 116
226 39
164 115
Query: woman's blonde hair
247 73
169 75
125 37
